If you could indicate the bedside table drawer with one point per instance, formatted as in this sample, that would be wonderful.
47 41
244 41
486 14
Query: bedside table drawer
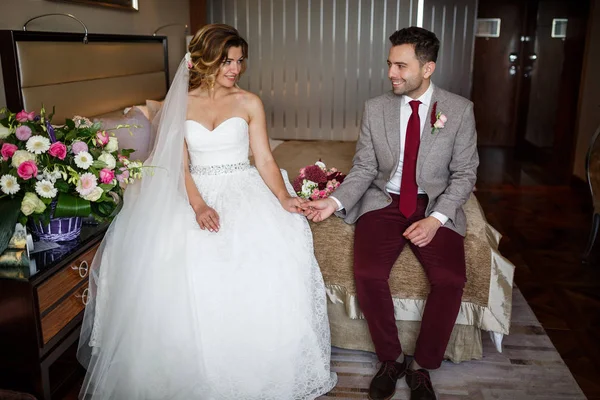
65 280
64 312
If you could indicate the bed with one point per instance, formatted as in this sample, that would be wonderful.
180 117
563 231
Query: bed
487 299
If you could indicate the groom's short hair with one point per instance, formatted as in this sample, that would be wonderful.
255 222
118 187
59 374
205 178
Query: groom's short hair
425 42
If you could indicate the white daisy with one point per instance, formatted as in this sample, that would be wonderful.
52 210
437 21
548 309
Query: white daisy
38 144
83 160
9 185
46 189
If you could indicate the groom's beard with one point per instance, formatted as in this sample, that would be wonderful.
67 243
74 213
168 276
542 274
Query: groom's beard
408 86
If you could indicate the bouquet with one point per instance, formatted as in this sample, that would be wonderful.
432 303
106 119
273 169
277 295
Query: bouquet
74 170
317 181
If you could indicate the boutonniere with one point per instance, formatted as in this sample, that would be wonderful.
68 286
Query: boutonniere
438 120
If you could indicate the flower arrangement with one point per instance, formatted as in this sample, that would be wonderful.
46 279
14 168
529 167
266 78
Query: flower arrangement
438 120
74 170
317 181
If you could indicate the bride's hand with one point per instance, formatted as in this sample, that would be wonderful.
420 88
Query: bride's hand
207 218
293 204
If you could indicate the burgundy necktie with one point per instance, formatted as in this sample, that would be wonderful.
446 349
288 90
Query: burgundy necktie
408 185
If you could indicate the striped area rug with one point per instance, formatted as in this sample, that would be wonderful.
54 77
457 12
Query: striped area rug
529 368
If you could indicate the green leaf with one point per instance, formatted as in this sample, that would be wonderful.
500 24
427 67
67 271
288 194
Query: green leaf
71 136
99 164
126 152
71 206
10 209
62 186
70 124
106 187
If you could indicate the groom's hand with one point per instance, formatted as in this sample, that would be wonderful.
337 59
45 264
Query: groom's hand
319 210
421 233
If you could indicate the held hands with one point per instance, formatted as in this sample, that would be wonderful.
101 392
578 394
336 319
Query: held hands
422 232
293 204
207 218
319 210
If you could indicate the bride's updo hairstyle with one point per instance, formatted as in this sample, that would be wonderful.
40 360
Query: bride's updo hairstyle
209 48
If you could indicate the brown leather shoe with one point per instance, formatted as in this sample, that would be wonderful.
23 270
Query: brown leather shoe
420 385
383 385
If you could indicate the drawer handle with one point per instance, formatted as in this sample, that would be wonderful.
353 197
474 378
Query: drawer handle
82 269
85 296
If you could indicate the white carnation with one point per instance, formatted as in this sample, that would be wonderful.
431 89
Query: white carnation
112 145
9 184
108 159
4 132
38 144
94 195
308 187
21 156
321 165
84 160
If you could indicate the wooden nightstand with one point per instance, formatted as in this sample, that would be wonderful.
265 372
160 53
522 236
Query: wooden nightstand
40 317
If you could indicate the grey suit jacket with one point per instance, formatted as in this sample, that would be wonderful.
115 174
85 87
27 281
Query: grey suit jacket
446 164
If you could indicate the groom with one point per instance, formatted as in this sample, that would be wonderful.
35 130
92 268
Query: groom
414 168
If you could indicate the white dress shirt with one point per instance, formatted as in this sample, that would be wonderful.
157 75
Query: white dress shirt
393 185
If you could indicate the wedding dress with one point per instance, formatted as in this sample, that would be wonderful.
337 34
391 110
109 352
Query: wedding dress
183 313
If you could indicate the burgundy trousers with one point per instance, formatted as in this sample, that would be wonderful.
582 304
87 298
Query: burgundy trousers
378 242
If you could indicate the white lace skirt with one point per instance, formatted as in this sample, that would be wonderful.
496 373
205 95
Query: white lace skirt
237 314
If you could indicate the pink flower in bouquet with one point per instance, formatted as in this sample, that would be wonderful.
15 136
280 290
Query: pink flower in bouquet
23 132
78 146
323 194
87 183
124 175
102 138
8 150
24 116
27 170
106 175
58 150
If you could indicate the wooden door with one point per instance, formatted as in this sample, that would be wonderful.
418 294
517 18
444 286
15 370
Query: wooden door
496 72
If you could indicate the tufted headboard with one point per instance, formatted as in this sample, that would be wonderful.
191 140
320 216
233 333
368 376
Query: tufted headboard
58 69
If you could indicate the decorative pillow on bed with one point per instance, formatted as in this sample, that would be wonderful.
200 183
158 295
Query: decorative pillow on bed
153 107
139 139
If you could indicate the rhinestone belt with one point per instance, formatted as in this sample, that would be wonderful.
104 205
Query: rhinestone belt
219 169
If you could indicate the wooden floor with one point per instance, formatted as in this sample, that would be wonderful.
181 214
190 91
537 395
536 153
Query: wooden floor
545 229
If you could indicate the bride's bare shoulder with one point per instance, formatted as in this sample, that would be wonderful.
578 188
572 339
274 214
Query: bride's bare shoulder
248 98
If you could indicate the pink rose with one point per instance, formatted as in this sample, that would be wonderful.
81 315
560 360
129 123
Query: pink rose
122 157
102 138
24 116
23 132
124 175
443 118
106 175
438 124
27 170
8 150
78 146
58 150
323 194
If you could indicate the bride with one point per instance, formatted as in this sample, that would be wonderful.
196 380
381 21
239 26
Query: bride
206 285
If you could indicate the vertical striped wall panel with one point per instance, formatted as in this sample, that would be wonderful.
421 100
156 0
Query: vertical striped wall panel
315 62
453 21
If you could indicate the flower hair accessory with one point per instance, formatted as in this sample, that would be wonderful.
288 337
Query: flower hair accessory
438 120
188 59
